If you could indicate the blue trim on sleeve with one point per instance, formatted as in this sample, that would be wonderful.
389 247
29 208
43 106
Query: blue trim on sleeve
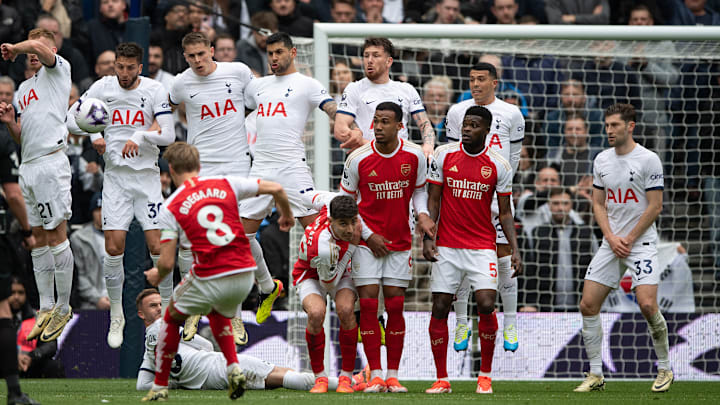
171 100
655 188
516 140
325 101
346 113
417 111
53 65
163 112
598 187
146 369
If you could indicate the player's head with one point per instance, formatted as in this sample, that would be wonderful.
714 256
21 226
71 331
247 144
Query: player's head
560 203
47 38
149 305
281 53
128 63
198 53
377 58
619 124
343 217
475 127
182 159
387 121
483 80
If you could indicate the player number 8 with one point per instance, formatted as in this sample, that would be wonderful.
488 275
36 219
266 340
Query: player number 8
215 225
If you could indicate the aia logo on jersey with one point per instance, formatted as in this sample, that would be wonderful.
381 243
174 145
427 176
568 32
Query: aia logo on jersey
486 171
621 197
138 118
495 141
27 98
405 169
269 111
214 110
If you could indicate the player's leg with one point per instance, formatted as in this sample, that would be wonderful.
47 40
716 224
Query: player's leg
508 289
270 289
313 302
152 238
593 296
462 328
64 264
114 273
8 344
348 334
487 331
147 200
185 261
165 350
44 271
397 272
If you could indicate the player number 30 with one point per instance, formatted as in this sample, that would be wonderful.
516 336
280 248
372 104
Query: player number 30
218 233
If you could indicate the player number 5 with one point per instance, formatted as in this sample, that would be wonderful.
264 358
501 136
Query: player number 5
214 225
493 270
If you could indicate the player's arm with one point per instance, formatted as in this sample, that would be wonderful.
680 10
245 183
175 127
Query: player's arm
199 343
8 117
508 226
330 108
601 218
648 217
45 54
161 137
427 131
429 243
286 220
347 132
517 134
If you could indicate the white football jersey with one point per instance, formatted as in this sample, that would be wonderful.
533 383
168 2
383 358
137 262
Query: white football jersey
625 179
215 110
43 101
362 97
130 111
284 104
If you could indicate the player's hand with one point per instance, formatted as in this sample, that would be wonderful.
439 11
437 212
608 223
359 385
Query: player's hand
130 150
28 243
355 141
8 51
628 242
99 145
618 246
516 264
92 168
425 225
357 234
377 244
24 361
103 304
430 251
428 150
7 113
153 276
286 222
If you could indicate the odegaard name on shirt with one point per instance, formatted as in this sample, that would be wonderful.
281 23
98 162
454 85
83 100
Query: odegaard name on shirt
200 195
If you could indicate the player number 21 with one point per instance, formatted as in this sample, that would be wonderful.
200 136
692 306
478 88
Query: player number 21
218 233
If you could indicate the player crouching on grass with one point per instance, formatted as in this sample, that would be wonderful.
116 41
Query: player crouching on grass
322 268
463 177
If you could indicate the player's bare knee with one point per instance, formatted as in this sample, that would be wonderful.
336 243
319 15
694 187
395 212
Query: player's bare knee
345 311
441 305
648 307
589 309
40 236
316 316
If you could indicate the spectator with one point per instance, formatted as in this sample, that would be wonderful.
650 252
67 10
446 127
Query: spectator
225 50
290 19
574 158
504 11
154 68
689 12
88 246
536 77
165 179
557 256
525 174
80 73
170 35
577 11
343 11
445 12
340 77
371 11
108 29
437 93
35 358
105 64
573 101
199 21
11 27
252 51
532 198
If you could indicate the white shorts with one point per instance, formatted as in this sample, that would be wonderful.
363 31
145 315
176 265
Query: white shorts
240 167
494 212
313 286
45 183
295 180
395 269
607 269
255 370
194 296
128 193
478 265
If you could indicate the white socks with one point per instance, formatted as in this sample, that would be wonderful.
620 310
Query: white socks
44 269
659 333
64 263
166 285
508 288
114 279
262 275
185 261
298 381
461 302
592 338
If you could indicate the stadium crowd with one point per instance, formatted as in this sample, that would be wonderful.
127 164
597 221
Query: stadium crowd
561 99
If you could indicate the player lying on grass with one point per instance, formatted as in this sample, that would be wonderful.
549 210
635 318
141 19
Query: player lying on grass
197 367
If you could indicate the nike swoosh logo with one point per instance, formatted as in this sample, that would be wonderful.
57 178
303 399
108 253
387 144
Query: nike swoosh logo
657 387
193 95
110 100
370 102
603 175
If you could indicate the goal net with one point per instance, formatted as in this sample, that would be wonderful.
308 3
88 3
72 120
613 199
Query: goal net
562 86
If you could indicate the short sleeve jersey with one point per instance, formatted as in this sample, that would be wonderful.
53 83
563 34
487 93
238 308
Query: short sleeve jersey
360 99
469 183
384 185
130 111
284 104
206 209
43 101
215 110
626 179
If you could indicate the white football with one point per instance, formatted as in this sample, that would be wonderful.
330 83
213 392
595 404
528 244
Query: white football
92 115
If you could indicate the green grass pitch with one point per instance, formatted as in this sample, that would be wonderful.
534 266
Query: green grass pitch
121 391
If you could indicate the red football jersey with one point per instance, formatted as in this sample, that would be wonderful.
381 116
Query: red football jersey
206 209
384 185
469 182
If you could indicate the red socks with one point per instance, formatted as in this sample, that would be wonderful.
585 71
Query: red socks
370 331
487 329
348 348
439 343
316 350
394 331
166 348
223 333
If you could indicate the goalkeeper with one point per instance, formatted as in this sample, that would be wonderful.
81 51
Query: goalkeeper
323 267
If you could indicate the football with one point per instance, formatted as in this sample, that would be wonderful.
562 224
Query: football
92 115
